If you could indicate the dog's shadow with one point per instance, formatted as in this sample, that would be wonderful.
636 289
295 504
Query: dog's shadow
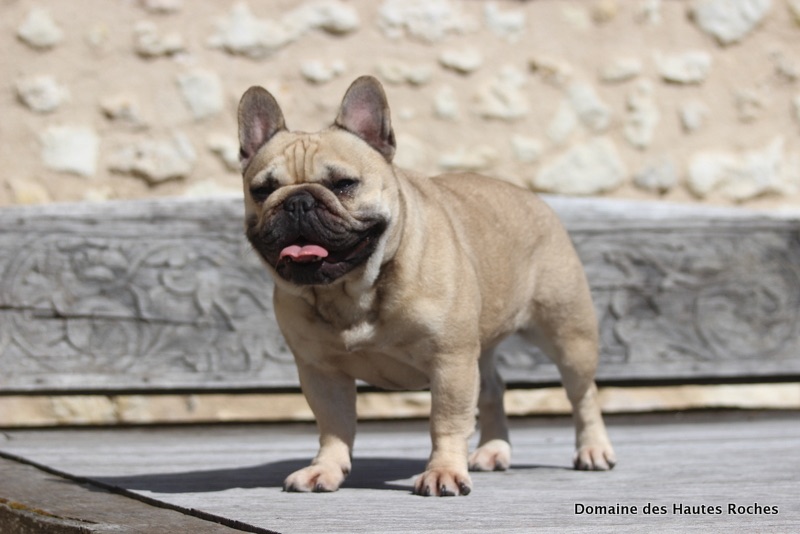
368 473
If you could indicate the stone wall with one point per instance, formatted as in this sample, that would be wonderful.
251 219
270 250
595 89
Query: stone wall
687 100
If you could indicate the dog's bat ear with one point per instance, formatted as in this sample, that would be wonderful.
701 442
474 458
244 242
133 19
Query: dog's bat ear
260 117
365 112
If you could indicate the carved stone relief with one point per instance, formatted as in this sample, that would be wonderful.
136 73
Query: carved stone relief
102 300
157 311
724 301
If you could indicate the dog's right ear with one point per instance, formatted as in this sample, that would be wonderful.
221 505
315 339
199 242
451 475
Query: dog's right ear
365 113
260 117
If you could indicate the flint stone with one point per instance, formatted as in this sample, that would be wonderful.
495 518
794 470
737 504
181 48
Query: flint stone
785 67
642 116
332 16
742 176
39 30
693 115
122 108
445 103
315 71
508 24
162 6
244 34
398 72
42 94
657 177
463 61
621 70
71 149
469 159
729 21
649 12
589 168
202 91
148 43
591 111
526 149
227 148
156 161
553 71
563 123
687 68
750 103
426 20
503 98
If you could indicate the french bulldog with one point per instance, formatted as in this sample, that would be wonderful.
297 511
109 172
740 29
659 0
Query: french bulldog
406 281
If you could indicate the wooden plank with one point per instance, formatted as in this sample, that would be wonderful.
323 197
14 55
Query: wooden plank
34 501
676 463
153 295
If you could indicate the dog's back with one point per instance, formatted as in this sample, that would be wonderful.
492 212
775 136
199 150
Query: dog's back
515 293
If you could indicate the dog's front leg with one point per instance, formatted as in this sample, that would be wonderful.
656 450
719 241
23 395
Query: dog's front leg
454 392
332 397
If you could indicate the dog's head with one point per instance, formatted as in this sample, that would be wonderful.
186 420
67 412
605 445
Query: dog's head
318 205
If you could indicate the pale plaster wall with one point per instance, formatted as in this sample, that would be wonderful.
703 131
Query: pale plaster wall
505 87
565 96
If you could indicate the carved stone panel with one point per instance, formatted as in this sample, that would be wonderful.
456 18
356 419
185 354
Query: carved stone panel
102 300
167 294
673 302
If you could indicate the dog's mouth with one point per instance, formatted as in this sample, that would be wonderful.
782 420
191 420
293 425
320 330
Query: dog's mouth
304 252
305 262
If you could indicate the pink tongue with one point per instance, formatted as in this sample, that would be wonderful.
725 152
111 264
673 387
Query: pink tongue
304 254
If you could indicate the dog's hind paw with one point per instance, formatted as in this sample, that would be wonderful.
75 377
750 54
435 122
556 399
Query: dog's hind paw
494 455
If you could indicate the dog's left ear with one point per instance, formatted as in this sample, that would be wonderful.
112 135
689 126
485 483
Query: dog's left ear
260 117
365 113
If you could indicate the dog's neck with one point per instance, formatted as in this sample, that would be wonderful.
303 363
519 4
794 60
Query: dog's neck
343 305
351 312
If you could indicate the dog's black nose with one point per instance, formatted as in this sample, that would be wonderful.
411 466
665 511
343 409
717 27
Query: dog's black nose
299 203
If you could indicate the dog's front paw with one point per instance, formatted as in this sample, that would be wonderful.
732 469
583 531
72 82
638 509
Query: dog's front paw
443 482
494 455
598 457
317 478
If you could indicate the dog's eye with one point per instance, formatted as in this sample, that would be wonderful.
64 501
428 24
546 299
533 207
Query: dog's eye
260 193
341 186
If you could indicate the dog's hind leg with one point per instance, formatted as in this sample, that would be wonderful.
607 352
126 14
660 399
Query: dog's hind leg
494 450
573 346
593 447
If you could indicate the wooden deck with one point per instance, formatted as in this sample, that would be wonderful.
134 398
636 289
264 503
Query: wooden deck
709 472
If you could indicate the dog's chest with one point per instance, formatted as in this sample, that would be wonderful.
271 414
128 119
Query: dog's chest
359 337
374 353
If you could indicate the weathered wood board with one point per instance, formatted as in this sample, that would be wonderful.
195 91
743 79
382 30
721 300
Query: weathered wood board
706 473
150 295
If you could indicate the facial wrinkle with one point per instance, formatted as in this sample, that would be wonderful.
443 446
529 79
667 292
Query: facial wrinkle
310 152
300 159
